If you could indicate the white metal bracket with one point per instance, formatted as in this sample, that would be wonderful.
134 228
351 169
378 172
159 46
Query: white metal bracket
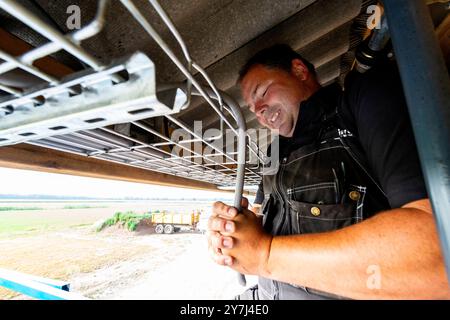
99 102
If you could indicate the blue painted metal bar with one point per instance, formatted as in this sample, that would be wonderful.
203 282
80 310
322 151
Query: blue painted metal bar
62 285
427 89
37 287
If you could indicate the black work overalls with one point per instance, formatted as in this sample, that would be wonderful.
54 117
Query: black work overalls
318 186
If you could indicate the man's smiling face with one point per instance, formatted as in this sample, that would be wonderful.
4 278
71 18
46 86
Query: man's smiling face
274 95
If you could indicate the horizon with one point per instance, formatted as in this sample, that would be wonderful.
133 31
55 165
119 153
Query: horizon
64 197
29 184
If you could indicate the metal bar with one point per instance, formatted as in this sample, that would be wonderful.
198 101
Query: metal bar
62 285
184 127
147 27
83 135
380 36
10 90
65 148
427 89
239 117
182 44
64 86
33 70
234 107
216 92
57 146
66 141
160 144
43 289
242 143
94 27
137 141
46 92
26 60
30 19
172 163
114 140
86 110
240 139
142 126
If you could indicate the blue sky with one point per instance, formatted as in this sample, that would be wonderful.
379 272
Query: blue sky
24 182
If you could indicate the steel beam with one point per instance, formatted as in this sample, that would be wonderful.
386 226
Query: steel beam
427 89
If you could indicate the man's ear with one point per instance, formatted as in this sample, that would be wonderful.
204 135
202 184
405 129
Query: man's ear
299 69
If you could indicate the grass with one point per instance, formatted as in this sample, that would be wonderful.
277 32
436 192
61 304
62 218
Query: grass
67 207
13 225
19 208
128 219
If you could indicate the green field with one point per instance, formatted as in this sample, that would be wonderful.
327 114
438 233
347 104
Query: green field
29 218
19 208
83 206
32 218
14 223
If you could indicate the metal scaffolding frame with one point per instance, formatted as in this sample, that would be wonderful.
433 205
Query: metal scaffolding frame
427 90
76 114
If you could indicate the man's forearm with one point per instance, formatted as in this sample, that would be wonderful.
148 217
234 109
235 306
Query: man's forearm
395 254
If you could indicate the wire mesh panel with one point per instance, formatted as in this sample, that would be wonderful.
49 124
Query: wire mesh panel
106 111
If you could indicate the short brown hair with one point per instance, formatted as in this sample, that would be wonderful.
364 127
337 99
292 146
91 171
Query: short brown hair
277 56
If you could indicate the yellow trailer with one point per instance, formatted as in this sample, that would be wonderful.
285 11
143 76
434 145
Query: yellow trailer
170 222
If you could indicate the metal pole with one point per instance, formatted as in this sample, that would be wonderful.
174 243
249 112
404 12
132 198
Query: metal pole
242 136
427 89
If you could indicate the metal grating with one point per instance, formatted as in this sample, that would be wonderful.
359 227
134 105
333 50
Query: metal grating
90 112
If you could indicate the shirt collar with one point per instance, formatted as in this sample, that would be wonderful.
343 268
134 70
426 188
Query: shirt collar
316 107
312 112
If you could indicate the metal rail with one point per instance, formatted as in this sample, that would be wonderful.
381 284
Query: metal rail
37 287
427 90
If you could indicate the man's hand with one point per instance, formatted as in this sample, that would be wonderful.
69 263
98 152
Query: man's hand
238 239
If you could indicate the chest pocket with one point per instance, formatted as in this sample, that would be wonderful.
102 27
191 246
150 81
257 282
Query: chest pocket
316 218
322 194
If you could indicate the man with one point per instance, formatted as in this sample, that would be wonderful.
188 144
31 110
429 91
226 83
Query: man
346 214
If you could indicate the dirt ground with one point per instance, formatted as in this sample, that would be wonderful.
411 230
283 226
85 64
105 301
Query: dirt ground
118 264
